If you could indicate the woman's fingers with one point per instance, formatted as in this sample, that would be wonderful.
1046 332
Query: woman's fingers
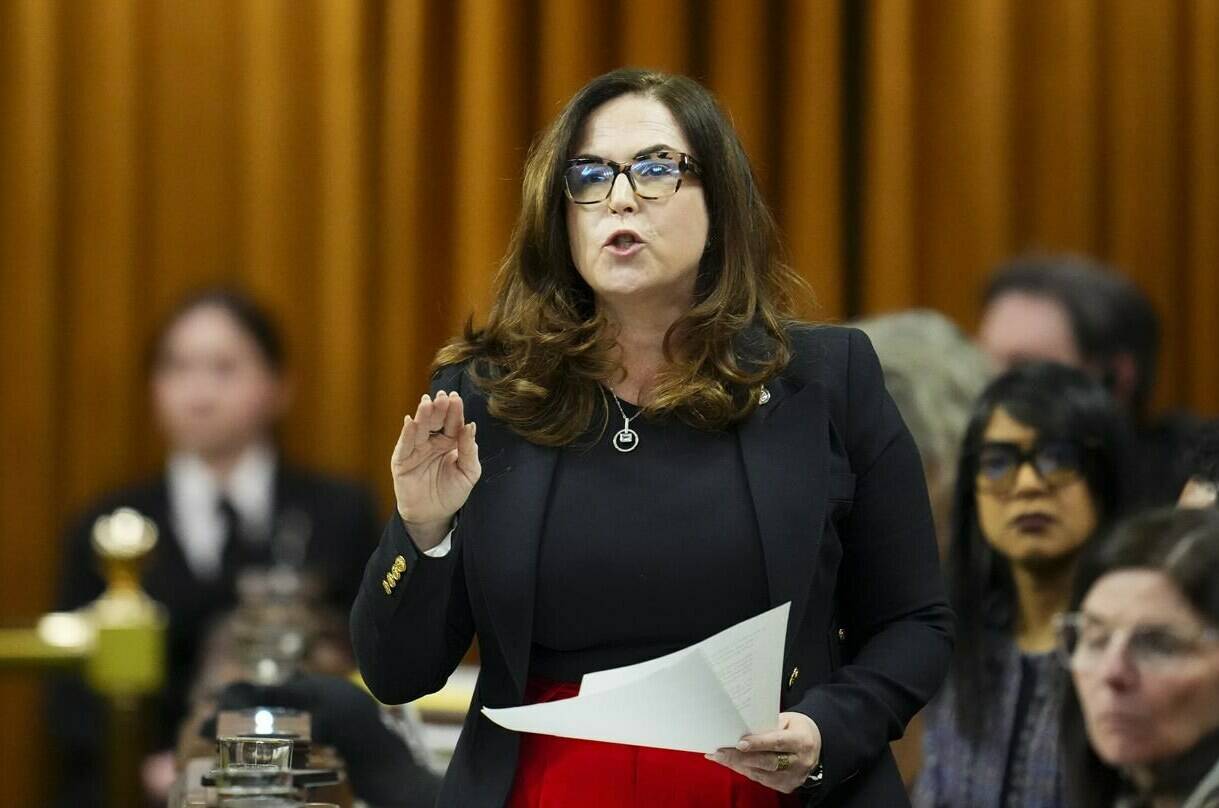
467 452
780 740
763 767
779 781
798 740
454 419
435 461
423 417
437 426
764 761
431 414
440 409
406 441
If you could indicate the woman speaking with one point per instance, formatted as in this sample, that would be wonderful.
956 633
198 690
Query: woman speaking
639 449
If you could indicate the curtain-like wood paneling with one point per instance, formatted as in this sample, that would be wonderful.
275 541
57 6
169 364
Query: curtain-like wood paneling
806 145
1002 126
1199 278
356 164
31 335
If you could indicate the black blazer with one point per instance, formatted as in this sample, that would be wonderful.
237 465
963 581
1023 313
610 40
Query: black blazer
338 521
847 537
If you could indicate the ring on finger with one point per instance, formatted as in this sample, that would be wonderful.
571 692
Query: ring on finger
434 432
783 761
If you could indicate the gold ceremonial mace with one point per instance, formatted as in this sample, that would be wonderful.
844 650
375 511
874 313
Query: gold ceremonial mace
117 642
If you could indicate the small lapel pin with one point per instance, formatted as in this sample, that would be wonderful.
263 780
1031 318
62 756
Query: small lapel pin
764 397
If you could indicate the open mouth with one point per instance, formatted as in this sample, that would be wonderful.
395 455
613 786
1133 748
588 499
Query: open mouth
624 242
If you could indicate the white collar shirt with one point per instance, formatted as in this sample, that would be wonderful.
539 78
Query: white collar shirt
195 492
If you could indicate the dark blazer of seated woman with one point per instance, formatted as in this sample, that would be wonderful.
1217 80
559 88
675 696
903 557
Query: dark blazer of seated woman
324 522
842 512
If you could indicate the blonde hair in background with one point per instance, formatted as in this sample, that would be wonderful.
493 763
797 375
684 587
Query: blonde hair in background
934 373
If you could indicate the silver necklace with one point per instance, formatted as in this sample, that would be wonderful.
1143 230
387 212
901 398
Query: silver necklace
625 439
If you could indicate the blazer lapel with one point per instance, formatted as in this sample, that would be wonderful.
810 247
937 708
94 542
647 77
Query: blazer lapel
784 446
509 516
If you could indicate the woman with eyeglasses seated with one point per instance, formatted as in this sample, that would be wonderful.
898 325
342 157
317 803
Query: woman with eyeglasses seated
639 449
1141 726
1040 475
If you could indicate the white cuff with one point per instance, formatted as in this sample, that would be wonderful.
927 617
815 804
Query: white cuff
441 550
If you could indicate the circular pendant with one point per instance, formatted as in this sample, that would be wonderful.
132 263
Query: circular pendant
625 440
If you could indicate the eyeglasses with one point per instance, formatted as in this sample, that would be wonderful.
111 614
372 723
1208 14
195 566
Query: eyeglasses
1057 463
590 180
1084 641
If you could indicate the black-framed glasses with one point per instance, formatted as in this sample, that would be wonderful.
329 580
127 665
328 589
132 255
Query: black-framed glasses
1083 641
1057 463
589 180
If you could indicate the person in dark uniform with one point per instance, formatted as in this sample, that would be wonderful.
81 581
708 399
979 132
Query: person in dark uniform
226 501
642 448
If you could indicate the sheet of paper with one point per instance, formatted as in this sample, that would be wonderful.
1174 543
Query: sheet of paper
747 659
697 699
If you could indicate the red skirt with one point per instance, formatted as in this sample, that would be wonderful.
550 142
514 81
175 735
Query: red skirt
556 772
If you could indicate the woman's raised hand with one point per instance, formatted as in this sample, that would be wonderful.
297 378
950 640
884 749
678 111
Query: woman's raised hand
435 466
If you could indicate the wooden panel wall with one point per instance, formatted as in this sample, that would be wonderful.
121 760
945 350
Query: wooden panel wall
356 165
1000 126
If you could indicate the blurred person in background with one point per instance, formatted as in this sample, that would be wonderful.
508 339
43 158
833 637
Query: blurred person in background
1202 486
279 649
935 374
226 501
1040 477
1073 310
641 448
1141 724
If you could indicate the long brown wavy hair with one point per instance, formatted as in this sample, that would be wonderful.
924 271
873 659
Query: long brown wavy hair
546 350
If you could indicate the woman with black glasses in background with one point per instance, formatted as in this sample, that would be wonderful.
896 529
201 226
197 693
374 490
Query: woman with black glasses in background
1040 476
1141 726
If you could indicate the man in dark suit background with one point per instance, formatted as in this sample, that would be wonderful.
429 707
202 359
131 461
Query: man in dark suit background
1079 312
226 502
